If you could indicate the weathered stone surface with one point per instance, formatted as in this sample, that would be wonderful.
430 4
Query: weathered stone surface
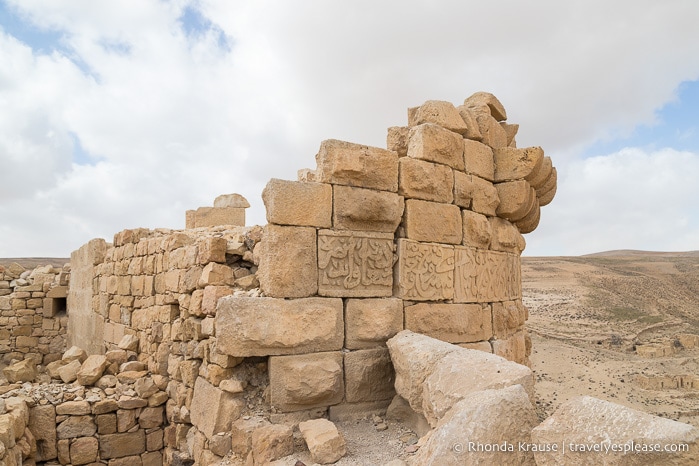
298 203
424 272
369 375
76 426
22 371
508 316
505 237
272 442
454 323
349 164
466 371
438 112
484 196
212 409
121 445
513 348
354 263
324 441
477 423
486 276
598 424
432 222
306 381
531 220
511 131
547 191
476 230
399 410
366 209
288 262
515 164
74 408
517 199
74 353
241 434
215 216
231 200
419 179
414 356
269 326
537 178
42 423
497 110
92 369
83 450
473 130
478 159
397 140
492 133
370 322
436 144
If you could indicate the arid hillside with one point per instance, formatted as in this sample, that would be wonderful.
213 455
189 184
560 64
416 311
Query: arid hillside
616 325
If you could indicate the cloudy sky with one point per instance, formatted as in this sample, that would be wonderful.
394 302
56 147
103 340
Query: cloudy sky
121 114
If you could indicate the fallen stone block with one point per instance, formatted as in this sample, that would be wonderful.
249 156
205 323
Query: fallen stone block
440 113
22 371
495 107
92 369
324 441
212 409
272 442
588 430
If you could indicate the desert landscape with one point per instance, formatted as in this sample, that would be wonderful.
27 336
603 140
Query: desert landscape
593 320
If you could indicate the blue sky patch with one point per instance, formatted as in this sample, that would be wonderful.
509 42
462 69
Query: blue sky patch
42 41
80 155
677 127
195 24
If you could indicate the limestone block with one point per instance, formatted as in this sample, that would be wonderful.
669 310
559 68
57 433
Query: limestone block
42 423
212 409
75 408
476 230
436 144
515 164
440 113
512 348
271 442
432 222
478 159
73 353
399 410
418 179
397 140
83 450
506 237
454 323
463 189
298 203
508 317
511 131
92 369
492 133
547 191
355 263
369 375
539 177
531 220
210 298
484 196
306 381
76 426
324 441
597 423
211 249
370 322
424 272
473 130
241 433
479 422
496 109
7 431
122 445
288 262
22 371
478 345
306 174
516 199
69 372
215 274
215 216
366 209
268 326
486 276
414 356
349 164
231 200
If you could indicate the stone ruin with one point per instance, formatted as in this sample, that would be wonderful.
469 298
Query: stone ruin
215 344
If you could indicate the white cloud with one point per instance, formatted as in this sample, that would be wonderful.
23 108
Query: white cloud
172 120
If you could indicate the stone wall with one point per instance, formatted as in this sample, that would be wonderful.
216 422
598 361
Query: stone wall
33 320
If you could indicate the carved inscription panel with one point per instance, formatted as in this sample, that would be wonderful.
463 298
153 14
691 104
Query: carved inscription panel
355 264
425 271
486 276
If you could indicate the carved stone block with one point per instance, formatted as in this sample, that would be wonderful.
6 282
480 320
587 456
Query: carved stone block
425 271
485 276
355 263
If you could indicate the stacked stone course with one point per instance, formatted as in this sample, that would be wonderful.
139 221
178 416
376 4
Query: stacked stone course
32 323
